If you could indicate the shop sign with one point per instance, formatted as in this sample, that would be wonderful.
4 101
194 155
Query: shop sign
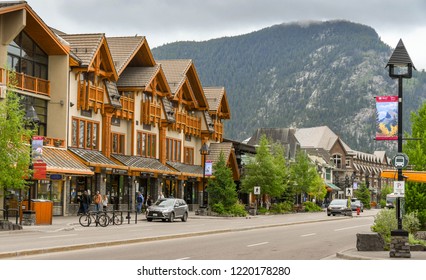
39 170
55 176
119 171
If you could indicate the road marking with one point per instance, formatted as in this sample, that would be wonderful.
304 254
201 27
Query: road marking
257 244
309 234
186 258
56 236
339 229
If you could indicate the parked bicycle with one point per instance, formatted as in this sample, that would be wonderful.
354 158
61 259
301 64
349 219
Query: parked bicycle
99 218
116 218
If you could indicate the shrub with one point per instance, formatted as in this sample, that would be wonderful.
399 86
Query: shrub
385 221
282 207
218 208
238 210
311 207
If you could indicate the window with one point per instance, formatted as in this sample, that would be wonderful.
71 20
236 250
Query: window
24 56
189 155
337 159
146 144
173 148
40 107
118 141
84 134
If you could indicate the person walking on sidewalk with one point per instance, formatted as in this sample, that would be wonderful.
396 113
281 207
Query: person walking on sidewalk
98 201
86 201
105 203
139 201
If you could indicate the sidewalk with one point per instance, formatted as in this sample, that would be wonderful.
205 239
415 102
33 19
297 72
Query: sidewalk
64 223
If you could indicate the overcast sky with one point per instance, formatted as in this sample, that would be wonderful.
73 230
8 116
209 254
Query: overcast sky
166 21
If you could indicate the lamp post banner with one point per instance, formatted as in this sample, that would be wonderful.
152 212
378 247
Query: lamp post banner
208 168
386 117
37 148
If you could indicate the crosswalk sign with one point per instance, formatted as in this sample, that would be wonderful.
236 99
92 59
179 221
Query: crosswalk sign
349 192
256 190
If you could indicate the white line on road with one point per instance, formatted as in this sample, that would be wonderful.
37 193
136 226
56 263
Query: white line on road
309 234
339 229
257 244
185 258
56 236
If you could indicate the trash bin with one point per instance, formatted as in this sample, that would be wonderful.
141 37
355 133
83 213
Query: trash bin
43 211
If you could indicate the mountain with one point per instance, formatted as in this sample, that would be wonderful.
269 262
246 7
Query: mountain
302 75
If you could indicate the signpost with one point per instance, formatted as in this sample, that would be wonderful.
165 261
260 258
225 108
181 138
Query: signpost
256 192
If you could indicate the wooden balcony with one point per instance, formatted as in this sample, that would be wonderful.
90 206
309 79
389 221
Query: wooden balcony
151 112
218 131
54 142
127 110
90 96
190 125
25 82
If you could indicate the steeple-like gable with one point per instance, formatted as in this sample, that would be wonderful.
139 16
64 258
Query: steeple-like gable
218 103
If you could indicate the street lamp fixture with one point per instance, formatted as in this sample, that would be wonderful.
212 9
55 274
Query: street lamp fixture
204 151
400 67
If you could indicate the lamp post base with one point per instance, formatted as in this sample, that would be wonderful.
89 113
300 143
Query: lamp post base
399 247
28 218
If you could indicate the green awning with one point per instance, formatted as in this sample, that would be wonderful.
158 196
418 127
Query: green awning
333 187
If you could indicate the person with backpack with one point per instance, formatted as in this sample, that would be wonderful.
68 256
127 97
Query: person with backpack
139 202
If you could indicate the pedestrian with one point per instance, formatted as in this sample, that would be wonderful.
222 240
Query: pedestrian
139 201
86 202
98 201
105 202
148 201
160 196
80 203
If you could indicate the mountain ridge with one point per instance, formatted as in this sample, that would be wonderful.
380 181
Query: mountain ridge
302 74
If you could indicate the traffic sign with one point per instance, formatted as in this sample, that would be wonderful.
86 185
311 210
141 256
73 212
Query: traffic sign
349 192
256 190
400 161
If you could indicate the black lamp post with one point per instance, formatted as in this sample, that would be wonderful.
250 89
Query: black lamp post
32 120
129 188
400 67
353 178
204 151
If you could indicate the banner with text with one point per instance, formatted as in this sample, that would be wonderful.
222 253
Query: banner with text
386 117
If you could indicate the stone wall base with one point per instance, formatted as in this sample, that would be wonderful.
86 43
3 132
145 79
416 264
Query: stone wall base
399 247
6 225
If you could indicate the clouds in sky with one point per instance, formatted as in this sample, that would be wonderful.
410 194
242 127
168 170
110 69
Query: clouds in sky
165 21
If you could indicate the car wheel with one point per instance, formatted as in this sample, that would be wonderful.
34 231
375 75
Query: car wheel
334 214
149 219
172 217
185 217
329 215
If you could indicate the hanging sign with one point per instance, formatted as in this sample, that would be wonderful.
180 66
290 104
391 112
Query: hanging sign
208 168
387 118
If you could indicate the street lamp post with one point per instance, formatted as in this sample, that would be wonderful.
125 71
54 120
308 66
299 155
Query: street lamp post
32 120
129 186
400 67
204 151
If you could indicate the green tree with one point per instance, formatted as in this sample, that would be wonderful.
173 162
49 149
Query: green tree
415 193
304 176
222 189
264 171
14 148
363 194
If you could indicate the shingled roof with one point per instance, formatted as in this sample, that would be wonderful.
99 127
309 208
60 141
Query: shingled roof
84 46
143 163
95 158
175 71
137 76
62 161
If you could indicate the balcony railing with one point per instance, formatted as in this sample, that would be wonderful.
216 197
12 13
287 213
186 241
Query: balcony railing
190 125
127 110
25 82
151 112
90 96
218 131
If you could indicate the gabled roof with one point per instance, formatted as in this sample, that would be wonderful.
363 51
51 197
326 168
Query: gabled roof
229 154
218 103
35 27
130 51
181 71
284 136
139 77
87 46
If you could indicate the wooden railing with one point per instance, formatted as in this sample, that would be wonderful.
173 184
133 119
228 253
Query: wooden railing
26 82
151 112
218 131
127 110
90 96
190 125
54 142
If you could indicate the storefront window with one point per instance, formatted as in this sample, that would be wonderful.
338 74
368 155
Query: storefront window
52 190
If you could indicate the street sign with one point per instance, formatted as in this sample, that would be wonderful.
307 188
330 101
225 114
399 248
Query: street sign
256 190
400 161
399 188
349 192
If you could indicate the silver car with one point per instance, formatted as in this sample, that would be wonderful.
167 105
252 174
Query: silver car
339 207
168 209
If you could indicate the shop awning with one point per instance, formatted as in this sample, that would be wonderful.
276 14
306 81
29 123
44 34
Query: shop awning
61 161
187 169
410 175
333 187
96 159
142 164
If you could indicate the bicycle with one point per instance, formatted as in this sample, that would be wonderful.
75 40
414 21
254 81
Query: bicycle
116 219
100 218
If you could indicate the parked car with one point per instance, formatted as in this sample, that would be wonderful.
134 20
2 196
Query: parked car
357 203
168 209
339 207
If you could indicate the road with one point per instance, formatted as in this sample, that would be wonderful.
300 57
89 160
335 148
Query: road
310 236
